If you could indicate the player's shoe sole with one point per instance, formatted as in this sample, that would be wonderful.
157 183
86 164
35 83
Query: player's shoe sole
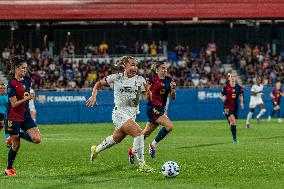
130 156
152 150
94 154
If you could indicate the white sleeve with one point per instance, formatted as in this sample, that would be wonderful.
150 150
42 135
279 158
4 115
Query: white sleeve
32 105
111 78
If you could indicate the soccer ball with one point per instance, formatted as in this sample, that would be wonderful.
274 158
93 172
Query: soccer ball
170 169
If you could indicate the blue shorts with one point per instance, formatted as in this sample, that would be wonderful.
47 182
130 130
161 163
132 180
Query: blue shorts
14 127
154 112
227 112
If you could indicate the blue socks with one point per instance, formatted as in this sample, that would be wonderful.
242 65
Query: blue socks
234 131
11 158
162 133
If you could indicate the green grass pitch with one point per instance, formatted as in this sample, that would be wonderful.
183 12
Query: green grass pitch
203 150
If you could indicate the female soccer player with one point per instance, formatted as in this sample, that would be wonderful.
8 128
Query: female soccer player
3 103
231 95
256 100
276 96
18 114
162 86
128 87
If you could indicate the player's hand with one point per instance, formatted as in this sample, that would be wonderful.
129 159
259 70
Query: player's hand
242 105
223 98
147 86
91 101
173 85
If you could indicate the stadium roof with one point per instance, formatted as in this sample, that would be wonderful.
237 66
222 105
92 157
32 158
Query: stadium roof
139 9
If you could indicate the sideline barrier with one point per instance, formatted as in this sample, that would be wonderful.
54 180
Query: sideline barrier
191 104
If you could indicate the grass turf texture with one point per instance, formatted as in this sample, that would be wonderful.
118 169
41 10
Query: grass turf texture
203 150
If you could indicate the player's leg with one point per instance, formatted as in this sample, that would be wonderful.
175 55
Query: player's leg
30 132
275 109
117 136
13 128
167 127
261 112
249 116
278 116
233 124
133 129
149 128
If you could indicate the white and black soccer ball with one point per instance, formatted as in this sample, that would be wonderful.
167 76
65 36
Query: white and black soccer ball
170 169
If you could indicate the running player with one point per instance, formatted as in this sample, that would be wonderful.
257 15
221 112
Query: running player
255 100
162 87
276 97
128 87
18 114
231 95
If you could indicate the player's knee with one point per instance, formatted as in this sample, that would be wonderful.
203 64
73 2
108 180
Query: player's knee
169 126
36 139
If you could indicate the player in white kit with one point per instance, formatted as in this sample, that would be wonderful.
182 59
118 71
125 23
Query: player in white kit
128 87
256 100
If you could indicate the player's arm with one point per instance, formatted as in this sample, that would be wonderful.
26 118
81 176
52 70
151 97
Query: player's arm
271 95
173 90
93 99
147 94
241 97
223 94
15 102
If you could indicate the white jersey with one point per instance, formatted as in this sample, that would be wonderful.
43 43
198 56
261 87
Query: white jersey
127 92
256 100
32 102
256 89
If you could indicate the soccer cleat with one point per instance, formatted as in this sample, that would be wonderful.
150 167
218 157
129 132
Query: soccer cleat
269 118
235 141
145 168
94 154
8 142
152 150
279 120
130 156
10 172
248 125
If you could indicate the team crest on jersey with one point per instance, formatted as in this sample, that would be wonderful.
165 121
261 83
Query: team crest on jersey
162 91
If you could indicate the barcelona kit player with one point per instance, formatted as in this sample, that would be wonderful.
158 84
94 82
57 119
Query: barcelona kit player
161 88
231 95
18 115
276 97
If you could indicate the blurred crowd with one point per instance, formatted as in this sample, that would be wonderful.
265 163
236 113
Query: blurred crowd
188 68
260 61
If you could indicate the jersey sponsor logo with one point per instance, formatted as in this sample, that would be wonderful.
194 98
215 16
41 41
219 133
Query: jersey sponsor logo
127 90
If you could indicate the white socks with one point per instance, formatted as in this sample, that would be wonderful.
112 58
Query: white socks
107 143
138 148
262 111
249 116
154 143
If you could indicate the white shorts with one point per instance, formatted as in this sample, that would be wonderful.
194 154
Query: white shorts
255 102
119 117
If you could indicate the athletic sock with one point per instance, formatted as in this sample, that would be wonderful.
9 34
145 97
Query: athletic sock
107 143
138 148
234 131
162 133
262 111
11 158
249 116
